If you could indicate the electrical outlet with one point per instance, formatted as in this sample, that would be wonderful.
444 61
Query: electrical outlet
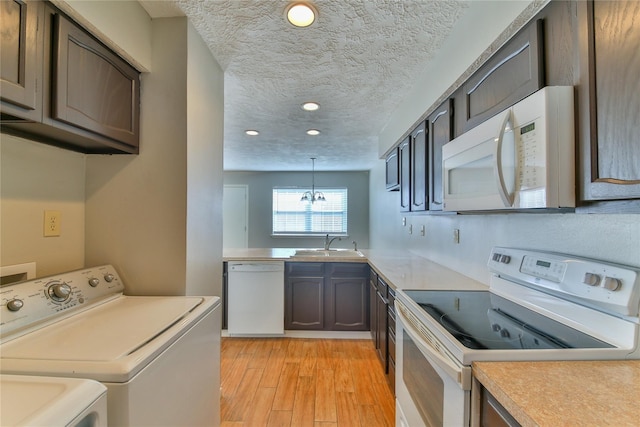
51 223
456 236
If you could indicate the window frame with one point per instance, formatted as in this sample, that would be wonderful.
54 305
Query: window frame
308 213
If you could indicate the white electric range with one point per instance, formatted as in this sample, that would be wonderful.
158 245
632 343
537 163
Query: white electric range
539 306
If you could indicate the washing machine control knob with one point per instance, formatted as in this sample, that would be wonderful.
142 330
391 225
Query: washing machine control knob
611 283
59 291
93 282
109 277
15 304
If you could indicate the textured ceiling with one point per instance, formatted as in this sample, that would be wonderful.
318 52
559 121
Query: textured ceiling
358 60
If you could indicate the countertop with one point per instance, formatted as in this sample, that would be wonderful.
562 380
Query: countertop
569 393
399 269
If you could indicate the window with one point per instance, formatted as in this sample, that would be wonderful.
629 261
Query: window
293 217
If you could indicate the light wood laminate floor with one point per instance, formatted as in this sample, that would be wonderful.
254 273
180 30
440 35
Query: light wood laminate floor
302 382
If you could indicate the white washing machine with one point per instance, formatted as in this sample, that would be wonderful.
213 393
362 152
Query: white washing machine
159 357
46 401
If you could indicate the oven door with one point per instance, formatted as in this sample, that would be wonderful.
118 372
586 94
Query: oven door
432 389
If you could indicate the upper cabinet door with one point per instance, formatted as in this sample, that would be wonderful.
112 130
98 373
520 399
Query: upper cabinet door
92 88
419 185
609 122
513 73
440 132
404 151
392 171
19 64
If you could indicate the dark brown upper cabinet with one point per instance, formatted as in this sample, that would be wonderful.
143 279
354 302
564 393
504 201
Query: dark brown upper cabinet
93 88
87 98
20 63
609 37
440 124
404 152
392 170
515 71
419 183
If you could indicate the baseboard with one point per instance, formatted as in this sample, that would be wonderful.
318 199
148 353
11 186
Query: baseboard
349 335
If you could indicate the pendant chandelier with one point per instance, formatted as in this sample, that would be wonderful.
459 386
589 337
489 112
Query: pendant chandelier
313 195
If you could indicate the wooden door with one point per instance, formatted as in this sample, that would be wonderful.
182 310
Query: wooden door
440 132
610 125
405 175
304 303
349 304
392 170
20 65
514 72
419 185
92 88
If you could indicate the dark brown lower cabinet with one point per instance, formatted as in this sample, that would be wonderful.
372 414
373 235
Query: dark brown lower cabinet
326 296
373 317
493 414
391 340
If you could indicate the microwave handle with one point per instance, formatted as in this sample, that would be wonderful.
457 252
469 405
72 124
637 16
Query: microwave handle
507 198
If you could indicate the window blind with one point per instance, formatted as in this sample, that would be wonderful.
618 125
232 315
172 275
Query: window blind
293 217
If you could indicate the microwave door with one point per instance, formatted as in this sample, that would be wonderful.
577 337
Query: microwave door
505 161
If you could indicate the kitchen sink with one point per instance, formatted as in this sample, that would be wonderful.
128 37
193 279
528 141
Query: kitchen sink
331 253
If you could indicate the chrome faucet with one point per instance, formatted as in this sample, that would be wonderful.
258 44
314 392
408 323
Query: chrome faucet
327 241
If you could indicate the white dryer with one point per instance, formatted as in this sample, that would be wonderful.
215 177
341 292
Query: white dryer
159 357
46 401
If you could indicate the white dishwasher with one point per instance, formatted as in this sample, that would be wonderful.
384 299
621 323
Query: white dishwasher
255 298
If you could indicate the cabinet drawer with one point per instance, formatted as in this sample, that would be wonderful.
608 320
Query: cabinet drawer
382 288
392 341
305 269
349 269
391 297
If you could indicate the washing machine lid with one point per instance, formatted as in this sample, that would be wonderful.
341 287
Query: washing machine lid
110 342
45 401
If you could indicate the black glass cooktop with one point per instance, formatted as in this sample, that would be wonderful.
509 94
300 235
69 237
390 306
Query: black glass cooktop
482 320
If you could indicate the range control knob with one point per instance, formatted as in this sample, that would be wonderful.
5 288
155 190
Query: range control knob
15 304
93 282
611 283
59 291
108 277
505 333
591 279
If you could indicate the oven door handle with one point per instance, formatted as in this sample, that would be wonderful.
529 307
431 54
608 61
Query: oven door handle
460 373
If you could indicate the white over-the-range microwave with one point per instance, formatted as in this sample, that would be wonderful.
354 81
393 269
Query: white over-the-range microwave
521 158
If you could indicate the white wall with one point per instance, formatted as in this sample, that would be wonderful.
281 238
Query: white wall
205 101
33 178
154 215
260 205
609 237
136 205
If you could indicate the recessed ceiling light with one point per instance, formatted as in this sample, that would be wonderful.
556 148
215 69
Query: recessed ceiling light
252 132
313 132
301 14
310 106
